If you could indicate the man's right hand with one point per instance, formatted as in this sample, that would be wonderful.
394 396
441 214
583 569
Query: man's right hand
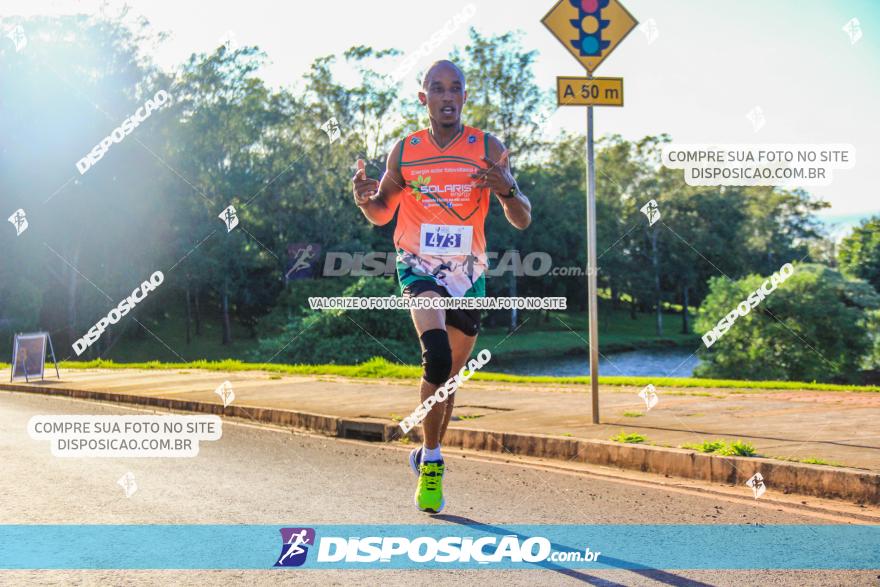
362 186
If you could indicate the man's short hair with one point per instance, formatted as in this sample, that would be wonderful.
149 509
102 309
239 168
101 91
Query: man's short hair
439 63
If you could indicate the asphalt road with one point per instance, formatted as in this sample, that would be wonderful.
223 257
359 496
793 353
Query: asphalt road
256 475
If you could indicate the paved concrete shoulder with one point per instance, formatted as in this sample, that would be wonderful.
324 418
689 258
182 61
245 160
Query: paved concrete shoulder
825 428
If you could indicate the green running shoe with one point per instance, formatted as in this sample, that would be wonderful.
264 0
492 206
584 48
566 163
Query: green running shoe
429 493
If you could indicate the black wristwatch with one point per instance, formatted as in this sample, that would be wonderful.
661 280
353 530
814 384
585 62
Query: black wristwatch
514 190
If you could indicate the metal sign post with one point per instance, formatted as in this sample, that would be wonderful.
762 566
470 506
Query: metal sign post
592 299
590 30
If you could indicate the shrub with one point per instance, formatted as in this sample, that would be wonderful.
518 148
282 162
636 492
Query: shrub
814 327
631 438
344 336
724 448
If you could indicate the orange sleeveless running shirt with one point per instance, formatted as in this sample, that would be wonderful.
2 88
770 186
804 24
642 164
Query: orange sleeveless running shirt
440 223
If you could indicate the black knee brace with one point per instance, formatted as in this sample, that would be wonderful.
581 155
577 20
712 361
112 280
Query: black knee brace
436 356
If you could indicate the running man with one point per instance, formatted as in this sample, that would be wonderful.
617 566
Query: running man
439 180
295 541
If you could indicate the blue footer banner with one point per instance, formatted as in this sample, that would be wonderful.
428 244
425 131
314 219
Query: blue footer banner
439 546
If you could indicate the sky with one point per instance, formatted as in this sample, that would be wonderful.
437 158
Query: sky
694 69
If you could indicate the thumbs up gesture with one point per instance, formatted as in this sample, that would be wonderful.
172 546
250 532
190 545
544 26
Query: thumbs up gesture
362 186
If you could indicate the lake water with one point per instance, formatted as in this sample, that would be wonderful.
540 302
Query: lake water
675 362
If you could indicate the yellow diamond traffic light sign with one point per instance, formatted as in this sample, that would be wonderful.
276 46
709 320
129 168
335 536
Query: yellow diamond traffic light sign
589 29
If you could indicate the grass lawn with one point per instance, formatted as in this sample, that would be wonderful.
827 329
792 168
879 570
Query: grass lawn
172 332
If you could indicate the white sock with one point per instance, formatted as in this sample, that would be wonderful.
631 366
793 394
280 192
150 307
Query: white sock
431 454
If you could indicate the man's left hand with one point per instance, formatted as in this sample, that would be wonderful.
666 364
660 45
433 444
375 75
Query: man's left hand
496 176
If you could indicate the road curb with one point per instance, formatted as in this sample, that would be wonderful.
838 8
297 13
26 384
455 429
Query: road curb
819 481
853 485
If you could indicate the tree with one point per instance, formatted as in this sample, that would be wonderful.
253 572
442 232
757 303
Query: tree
224 116
343 336
502 94
617 173
503 99
77 80
558 215
701 224
859 253
814 327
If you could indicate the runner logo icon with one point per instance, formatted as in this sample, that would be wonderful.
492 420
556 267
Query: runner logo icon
294 547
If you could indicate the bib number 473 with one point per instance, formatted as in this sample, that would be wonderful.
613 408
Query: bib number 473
436 239
443 239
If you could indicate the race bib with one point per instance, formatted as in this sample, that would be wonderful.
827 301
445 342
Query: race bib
446 239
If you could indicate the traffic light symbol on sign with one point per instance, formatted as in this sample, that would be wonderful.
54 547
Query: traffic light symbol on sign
589 25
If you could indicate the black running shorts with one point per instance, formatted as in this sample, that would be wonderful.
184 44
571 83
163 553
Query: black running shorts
468 321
